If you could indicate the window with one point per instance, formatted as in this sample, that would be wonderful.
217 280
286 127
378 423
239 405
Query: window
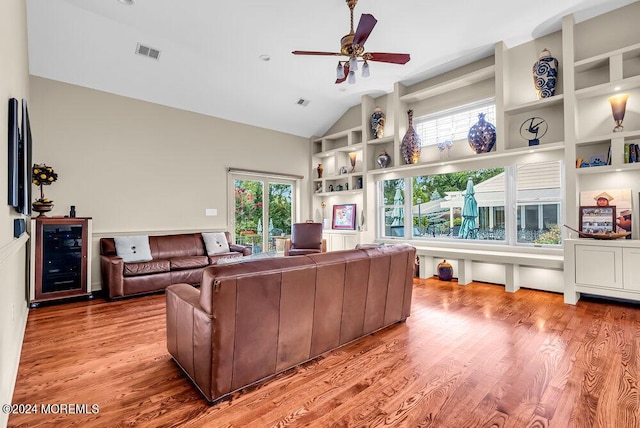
443 206
539 191
441 203
392 208
453 124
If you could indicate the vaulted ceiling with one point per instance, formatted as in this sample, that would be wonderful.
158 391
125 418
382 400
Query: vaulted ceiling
210 51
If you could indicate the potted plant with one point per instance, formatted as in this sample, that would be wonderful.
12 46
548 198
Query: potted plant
42 175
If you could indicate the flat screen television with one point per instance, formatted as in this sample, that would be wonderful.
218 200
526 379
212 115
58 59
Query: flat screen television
25 160
13 165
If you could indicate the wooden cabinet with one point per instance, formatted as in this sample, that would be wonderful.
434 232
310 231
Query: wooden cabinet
60 254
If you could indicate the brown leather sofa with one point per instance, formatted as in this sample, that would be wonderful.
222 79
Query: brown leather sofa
252 320
176 259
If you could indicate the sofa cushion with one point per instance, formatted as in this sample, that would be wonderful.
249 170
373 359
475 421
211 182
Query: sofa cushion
145 268
215 242
231 255
180 245
258 256
189 262
133 248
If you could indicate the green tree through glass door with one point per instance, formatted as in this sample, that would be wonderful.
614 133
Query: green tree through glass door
263 213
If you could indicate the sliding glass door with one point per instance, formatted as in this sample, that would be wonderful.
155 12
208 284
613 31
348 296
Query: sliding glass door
263 212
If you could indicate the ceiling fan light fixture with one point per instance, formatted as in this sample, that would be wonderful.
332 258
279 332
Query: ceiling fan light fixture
353 63
365 69
339 71
352 77
352 48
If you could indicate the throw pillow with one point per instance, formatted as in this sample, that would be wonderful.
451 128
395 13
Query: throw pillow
215 242
259 256
133 248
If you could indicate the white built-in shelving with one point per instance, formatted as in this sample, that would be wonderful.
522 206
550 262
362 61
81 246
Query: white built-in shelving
580 125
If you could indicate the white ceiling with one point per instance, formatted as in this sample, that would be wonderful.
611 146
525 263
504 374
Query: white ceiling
209 61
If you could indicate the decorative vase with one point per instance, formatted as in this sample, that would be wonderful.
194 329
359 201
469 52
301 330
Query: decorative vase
545 75
383 159
618 108
482 135
445 271
377 123
320 168
352 160
410 147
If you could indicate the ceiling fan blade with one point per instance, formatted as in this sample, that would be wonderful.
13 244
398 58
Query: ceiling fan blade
366 24
395 58
316 53
346 74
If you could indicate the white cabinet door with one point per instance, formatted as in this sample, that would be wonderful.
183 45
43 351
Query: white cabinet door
599 266
336 242
350 241
631 260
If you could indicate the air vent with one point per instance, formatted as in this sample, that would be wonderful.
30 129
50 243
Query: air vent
147 51
302 102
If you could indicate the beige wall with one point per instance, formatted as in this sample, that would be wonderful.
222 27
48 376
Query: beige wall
138 167
14 82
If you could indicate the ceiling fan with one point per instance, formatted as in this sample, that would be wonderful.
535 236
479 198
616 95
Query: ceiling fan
352 46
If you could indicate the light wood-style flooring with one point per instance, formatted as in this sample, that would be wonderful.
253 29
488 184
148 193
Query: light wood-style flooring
469 356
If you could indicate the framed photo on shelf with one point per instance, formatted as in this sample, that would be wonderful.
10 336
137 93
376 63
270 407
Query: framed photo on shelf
596 219
344 217
618 198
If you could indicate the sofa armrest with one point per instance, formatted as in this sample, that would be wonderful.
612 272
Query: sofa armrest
246 250
189 335
112 273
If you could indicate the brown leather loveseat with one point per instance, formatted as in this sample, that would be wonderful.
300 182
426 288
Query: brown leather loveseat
176 259
252 320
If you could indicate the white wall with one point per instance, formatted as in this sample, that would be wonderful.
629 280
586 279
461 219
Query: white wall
14 82
138 167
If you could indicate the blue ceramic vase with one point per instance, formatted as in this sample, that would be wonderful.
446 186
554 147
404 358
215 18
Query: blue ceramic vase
377 123
545 75
482 135
445 271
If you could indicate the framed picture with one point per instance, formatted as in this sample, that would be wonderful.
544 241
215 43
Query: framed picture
618 198
344 217
596 219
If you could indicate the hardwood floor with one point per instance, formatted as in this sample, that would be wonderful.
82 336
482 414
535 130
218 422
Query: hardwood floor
472 356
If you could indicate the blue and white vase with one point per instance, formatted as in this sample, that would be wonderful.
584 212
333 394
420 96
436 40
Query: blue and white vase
482 135
545 75
377 123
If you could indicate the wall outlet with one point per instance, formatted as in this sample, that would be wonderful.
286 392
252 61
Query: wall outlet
211 212
13 312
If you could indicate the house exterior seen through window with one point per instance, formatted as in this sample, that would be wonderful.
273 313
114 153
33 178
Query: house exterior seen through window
471 205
